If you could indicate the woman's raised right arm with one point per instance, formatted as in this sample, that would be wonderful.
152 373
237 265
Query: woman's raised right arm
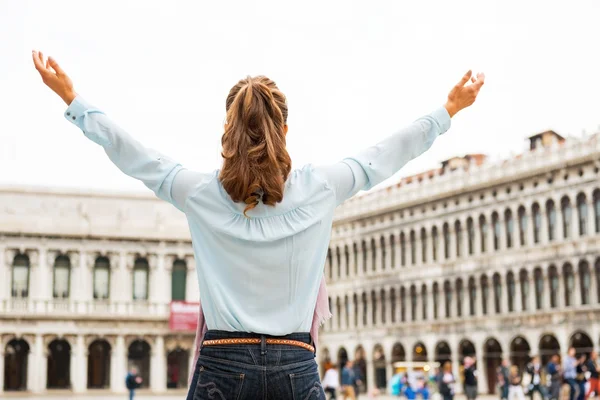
379 162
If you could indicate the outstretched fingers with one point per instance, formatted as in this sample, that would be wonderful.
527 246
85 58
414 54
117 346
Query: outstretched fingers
464 79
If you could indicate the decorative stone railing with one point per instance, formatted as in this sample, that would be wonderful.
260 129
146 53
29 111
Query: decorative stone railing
529 163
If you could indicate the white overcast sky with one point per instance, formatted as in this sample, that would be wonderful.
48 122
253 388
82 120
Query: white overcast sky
353 72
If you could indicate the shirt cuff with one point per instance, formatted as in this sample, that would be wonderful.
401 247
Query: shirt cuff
77 110
443 119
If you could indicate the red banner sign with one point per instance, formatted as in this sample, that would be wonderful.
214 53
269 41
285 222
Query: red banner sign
184 316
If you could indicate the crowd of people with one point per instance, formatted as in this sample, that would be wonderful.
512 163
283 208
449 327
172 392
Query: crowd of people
574 378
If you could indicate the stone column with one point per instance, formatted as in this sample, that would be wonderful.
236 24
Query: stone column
351 320
118 366
379 252
398 251
370 372
342 317
547 294
590 223
531 296
192 290
559 233
544 227
530 226
593 283
518 304
388 305
2 344
388 254
37 365
79 365
430 303
560 301
451 243
369 310
361 311
158 379
574 234
41 279
360 260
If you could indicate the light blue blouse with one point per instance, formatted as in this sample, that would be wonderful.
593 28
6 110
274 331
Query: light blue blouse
259 274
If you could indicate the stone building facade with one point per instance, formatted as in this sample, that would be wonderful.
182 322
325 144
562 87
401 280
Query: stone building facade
496 260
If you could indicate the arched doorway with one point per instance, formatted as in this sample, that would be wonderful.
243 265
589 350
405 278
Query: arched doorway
443 352
398 353
177 368
493 358
59 365
98 365
466 348
379 365
15 365
360 367
582 343
139 356
419 352
519 353
548 346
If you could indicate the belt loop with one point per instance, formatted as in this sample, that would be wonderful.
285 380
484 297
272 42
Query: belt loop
263 345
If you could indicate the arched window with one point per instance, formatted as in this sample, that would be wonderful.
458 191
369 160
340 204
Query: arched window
569 284
567 214
393 304
423 245
496 225
355 257
459 297
436 299
330 262
338 262
424 301
403 248
522 226
537 222
483 232
347 259
140 279
508 221
485 294
524 282
356 306
101 278
373 256
582 213
383 252
383 299
364 309
539 288
448 298
458 233
497 293
584 282
364 256
402 304
413 303
471 235
554 282
62 269
393 251
413 248
510 286
20 276
178 280
434 242
597 210
472 296
551 215
446 241
373 308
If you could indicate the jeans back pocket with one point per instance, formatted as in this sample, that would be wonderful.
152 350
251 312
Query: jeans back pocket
218 385
307 386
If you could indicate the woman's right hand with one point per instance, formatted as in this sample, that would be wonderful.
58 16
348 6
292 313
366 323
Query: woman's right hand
462 96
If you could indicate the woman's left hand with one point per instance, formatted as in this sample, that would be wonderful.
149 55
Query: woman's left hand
54 77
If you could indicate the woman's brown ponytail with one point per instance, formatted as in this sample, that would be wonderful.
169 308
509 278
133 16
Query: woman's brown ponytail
256 162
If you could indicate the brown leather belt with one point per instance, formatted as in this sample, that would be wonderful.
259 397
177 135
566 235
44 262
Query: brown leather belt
217 342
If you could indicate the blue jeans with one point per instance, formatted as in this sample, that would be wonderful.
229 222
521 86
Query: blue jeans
257 372
131 394
572 388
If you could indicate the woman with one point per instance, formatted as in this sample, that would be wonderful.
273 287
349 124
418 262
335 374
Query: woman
260 231
515 387
447 381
